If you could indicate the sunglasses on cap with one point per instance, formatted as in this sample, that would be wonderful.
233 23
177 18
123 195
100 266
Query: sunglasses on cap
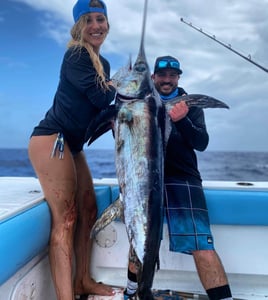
167 62
161 64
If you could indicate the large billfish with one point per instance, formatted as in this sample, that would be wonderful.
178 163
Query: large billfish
141 129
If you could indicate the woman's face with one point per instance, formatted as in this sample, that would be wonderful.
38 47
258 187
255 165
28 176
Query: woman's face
95 30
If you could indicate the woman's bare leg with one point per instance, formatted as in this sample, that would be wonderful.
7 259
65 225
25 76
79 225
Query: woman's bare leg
58 181
87 210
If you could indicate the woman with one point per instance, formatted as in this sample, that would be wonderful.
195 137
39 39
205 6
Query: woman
55 151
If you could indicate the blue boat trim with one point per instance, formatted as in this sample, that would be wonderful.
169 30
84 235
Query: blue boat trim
232 207
228 207
22 238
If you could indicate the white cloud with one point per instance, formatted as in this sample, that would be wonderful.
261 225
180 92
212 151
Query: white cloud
208 67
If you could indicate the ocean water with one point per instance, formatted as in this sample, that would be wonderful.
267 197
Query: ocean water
230 166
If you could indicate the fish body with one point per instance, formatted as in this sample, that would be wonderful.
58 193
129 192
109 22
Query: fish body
139 132
141 127
139 164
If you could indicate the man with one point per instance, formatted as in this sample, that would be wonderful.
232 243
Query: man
185 204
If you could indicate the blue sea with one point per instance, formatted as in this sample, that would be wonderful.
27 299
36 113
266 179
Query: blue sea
230 166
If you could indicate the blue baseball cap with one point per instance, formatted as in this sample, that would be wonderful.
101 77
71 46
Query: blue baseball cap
83 7
167 62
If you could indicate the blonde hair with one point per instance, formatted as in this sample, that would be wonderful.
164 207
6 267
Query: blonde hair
78 43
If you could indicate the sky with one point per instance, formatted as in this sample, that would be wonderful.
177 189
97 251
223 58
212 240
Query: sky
34 35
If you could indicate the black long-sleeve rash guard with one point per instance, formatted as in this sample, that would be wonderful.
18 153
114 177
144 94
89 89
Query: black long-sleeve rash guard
78 99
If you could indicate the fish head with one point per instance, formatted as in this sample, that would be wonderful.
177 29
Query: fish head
134 82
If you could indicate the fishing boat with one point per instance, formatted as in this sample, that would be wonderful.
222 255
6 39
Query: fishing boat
239 220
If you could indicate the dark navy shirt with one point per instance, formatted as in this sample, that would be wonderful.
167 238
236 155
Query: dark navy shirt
187 135
78 99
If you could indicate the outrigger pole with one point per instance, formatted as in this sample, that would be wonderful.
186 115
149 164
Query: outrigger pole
228 46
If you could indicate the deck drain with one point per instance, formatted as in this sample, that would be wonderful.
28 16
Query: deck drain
107 237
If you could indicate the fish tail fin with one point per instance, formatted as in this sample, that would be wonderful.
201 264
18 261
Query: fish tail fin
198 100
204 101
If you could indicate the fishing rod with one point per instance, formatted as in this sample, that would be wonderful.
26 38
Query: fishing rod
228 46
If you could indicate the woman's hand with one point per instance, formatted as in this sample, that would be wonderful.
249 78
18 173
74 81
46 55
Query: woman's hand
111 83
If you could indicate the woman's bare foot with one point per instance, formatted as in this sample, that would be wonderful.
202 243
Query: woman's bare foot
93 288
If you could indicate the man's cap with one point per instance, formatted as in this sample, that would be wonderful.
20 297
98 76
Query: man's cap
167 62
83 7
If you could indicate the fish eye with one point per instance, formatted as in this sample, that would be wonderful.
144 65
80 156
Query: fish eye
140 68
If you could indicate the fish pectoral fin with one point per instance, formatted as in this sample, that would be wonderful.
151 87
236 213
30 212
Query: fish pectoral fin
102 123
113 211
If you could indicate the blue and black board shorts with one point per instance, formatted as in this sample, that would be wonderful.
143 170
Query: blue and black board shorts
187 217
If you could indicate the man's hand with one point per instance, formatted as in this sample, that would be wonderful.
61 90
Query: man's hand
179 111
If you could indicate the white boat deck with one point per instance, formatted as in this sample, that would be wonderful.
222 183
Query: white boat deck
18 194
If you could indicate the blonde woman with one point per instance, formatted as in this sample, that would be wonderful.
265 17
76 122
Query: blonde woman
56 151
